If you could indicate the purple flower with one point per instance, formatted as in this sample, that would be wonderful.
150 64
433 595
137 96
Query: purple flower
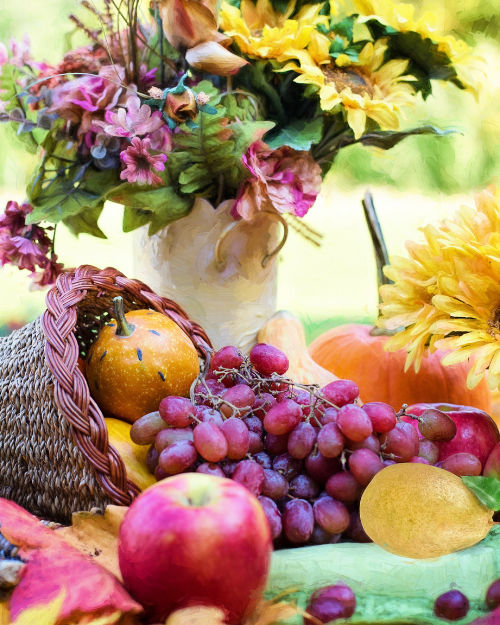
146 78
85 100
133 120
285 180
21 252
13 220
48 275
140 163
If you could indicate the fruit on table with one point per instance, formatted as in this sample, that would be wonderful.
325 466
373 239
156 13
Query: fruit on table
352 352
493 595
133 455
421 511
285 332
477 433
138 359
331 603
462 464
452 605
288 442
195 537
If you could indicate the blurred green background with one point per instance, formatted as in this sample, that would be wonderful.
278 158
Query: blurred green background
423 179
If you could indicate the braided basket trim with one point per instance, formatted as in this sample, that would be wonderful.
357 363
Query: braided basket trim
71 391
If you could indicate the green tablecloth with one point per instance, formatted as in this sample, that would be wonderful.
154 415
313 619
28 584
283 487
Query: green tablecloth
389 589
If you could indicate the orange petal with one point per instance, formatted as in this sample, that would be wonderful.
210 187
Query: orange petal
186 22
213 58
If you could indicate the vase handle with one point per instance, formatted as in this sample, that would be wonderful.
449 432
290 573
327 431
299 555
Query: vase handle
220 262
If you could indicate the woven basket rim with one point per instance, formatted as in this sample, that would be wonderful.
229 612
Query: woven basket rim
71 391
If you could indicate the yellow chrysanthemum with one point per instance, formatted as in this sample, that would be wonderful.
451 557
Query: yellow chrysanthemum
262 32
367 88
448 292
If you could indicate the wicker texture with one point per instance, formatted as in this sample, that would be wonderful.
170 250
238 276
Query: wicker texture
55 457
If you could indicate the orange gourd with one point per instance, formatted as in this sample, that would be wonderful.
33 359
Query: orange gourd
285 332
139 359
352 352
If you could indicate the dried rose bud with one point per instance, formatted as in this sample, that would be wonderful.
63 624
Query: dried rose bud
181 107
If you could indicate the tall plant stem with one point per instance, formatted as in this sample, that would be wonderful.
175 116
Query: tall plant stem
379 246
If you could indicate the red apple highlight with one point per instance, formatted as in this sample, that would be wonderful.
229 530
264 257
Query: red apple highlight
195 539
477 433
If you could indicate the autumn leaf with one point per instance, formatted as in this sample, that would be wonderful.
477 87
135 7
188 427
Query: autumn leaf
96 535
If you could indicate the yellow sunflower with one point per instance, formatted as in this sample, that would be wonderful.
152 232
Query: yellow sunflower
430 24
367 88
262 32
449 293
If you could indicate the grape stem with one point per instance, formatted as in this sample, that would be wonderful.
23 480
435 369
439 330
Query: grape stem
316 419
251 376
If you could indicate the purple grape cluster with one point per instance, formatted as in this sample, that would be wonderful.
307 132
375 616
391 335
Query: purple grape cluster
306 452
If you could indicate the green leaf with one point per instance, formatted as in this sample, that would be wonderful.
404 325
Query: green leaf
257 80
85 222
299 135
427 61
71 191
172 208
158 206
193 173
248 132
134 218
204 155
486 489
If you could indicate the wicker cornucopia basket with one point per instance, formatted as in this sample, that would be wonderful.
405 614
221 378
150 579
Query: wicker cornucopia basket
55 457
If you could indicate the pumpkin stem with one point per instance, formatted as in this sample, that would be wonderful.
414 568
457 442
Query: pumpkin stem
377 238
123 328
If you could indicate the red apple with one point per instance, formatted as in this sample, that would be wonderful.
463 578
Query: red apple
477 433
195 539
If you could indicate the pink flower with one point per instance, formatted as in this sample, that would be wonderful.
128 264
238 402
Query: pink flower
140 163
284 180
49 274
133 120
161 139
85 100
4 55
21 51
21 252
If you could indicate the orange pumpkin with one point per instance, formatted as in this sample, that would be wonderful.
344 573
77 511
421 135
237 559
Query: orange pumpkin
352 352
139 359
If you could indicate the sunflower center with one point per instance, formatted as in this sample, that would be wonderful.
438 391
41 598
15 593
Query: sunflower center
352 77
494 321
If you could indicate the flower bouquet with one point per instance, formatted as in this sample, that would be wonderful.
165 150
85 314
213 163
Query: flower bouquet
212 124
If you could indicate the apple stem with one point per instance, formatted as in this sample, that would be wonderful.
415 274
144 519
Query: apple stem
123 328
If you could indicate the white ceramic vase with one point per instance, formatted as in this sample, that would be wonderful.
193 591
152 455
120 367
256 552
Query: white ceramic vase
221 271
